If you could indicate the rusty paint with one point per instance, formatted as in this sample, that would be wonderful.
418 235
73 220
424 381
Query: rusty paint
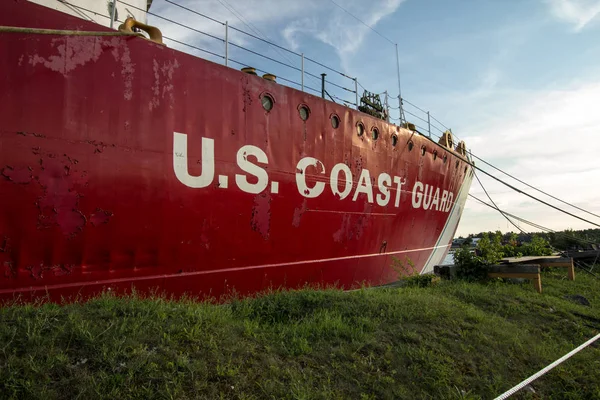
36 271
62 269
205 235
20 175
344 232
100 217
8 269
261 215
299 212
59 203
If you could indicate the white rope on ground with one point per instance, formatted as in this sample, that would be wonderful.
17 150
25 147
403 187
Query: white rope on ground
533 377
15 29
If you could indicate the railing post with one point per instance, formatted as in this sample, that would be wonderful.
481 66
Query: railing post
113 12
401 110
428 124
356 91
387 107
323 85
302 71
226 43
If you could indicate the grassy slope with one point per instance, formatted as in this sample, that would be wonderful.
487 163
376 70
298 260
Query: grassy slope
448 341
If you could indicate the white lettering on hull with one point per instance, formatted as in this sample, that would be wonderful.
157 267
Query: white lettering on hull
256 179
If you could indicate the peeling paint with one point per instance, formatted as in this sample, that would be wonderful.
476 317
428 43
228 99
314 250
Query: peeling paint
20 175
167 70
60 181
204 236
62 269
99 146
36 271
8 269
353 226
100 217
298 213
59 203
358 165
73 51
155 88
341 234
121 53
261 215
246 96
363 221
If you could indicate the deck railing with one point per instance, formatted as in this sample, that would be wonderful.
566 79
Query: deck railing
292 68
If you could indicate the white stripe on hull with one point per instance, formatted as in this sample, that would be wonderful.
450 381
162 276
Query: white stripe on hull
444 241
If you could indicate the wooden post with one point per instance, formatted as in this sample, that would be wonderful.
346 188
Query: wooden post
524 271
537 283
572 270
561 263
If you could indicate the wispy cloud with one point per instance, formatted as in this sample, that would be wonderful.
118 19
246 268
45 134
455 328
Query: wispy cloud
578 13
335 27
257 17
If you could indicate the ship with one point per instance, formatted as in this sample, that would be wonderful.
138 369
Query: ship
127 165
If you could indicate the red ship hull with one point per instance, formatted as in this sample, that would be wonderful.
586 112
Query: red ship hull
128 164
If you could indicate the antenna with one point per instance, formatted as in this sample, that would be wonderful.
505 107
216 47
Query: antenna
399 85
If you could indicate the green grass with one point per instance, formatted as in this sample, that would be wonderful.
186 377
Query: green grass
451 340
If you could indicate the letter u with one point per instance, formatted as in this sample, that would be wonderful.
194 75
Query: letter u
427 197
180 161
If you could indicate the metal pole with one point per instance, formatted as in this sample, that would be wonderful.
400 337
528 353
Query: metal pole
400 109
302 72
323 85
226 43
356 91
387 107
399 85
428 124
113 13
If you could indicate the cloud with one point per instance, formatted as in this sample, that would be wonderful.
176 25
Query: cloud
578 13
257 17
547 139
337 28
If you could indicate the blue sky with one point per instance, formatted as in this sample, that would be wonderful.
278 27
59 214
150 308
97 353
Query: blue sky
518 80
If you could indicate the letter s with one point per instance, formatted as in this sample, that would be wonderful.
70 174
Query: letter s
253 169
383 182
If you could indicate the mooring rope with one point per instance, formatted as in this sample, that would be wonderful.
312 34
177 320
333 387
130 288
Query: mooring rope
38 31
533 377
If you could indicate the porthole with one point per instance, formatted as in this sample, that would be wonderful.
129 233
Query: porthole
410 145
456 165
335 121
465 170
267 102
360 129
375 133
394 140
304 112
434 155
445 158
423 150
